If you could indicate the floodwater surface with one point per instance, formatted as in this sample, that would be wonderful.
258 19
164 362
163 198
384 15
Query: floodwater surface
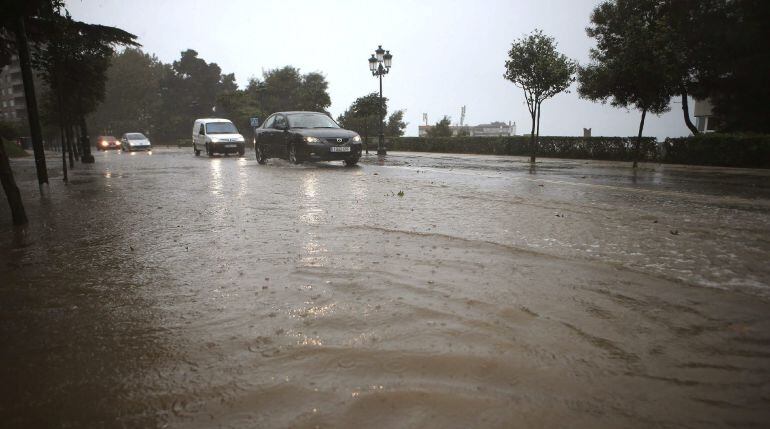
168 290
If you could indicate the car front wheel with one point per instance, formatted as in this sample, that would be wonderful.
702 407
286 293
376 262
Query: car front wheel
261 158
293 154
209 150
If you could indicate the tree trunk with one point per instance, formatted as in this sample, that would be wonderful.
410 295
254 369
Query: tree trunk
31 101
18 214
75 141
686 112
70 150
639 138
537 133
63 155
85 143
532 142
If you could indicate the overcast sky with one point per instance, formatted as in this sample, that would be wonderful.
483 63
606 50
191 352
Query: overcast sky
446 53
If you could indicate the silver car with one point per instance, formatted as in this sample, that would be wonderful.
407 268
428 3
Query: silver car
135 141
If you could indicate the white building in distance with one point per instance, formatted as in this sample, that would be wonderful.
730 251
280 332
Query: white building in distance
495 129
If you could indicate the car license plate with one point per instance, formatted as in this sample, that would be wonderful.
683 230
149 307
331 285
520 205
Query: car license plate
340 148
229 145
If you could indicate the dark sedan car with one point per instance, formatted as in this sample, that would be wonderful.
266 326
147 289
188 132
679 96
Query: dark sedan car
305 136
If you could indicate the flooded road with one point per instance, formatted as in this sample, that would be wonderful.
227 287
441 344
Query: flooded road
168 290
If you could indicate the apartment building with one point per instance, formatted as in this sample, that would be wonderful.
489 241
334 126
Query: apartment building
13 106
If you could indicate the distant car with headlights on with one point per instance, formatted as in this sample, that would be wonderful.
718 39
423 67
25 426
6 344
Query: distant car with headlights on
305 136
217 136
130 142
107 143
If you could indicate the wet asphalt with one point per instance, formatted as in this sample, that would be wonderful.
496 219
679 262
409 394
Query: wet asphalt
416 290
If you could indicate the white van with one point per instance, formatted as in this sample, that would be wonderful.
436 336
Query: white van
215 135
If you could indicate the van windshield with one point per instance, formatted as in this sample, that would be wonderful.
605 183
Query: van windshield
221 128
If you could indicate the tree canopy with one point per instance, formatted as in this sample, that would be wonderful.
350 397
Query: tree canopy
365 115
395 126
144 94
441 128
131 99
631 66
536 67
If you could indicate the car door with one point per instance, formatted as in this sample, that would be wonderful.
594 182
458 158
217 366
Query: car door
194 134
266 136
279 131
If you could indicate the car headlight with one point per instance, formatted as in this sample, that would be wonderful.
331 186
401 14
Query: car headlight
104 142
313 140
357 139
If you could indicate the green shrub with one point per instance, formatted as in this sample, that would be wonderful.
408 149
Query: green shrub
12 149
728 150
605 148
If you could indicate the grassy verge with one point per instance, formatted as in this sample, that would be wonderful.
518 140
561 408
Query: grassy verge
13 150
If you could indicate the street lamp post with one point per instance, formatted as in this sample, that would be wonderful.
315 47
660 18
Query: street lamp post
379 65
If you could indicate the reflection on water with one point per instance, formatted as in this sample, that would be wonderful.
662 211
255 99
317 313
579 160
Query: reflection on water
243 177
313 253
312 212
215 172
309 183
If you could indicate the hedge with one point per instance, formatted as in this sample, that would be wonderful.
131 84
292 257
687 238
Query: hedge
605 148
728 150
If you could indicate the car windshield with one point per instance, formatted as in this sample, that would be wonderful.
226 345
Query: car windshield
311 120
136 136
108 138
221 128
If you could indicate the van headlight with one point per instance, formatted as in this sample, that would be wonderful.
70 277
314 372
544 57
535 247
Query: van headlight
357 139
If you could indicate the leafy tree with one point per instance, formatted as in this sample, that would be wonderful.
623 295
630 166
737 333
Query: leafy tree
313 93
15 16
190 89
279 90
630 66
132 96
687 36
73 61
441 129
718 49
365 115
287 89
535 66
239 105
736 76
395 126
